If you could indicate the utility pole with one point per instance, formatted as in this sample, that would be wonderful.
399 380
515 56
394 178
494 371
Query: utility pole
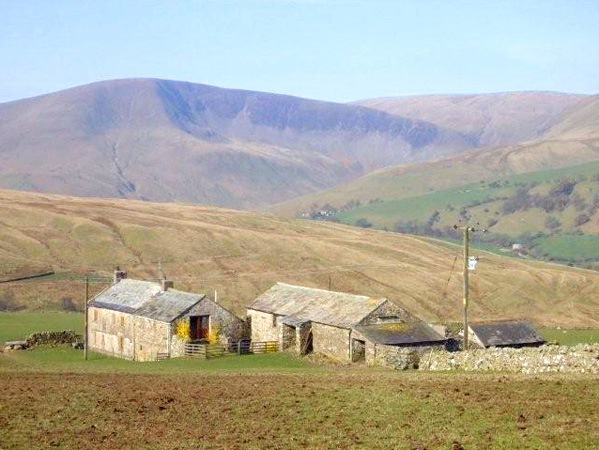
86 318
466 230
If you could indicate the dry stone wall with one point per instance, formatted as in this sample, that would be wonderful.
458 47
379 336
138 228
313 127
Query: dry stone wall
545 359
68 337
400 358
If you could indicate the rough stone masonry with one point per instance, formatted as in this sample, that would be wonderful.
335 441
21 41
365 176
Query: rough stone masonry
582 358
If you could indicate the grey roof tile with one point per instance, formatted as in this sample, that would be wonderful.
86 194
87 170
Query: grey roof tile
146 299
317 305
506 332
396 333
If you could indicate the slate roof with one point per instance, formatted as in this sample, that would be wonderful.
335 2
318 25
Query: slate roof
146 299
506 333
316 305
394 333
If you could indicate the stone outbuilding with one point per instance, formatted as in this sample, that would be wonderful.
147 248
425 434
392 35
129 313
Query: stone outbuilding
138 320
505 333
342 326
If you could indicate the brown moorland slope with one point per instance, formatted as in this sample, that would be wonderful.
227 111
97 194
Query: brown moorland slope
242 253
488 119
173 141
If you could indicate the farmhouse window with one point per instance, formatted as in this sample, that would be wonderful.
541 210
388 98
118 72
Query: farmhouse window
122 321
95 315
120 343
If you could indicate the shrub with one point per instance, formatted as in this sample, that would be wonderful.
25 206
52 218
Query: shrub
8 303
213 334
521 200
68 304
183 330
434 218
563 187
581 219
552 223
364 223
492 222
578 202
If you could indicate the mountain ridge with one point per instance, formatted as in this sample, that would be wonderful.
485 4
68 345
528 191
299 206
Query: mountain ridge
570 141
177 141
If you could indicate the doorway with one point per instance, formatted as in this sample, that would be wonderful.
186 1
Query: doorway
199 327
358 350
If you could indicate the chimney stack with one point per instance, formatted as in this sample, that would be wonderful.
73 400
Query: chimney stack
119 275
167 284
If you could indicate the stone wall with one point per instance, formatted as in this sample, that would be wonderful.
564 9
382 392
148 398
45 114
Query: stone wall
177 346
548 358
400 358
264 326
287 337
111 332
302 331
52 338
385 310
358 350
151 337
126 336
331 341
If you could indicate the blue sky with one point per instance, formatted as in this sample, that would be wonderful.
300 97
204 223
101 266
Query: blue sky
327 49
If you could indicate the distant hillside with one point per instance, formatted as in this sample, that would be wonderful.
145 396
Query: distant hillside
553 214
572 140
243 253
173 141
512 190
487 119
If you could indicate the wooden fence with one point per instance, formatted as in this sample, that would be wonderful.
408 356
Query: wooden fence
243 347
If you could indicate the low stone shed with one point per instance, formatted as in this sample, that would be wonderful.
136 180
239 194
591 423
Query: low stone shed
505 333
345 327
137 320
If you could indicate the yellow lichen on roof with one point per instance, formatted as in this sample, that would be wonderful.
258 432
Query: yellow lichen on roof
394 326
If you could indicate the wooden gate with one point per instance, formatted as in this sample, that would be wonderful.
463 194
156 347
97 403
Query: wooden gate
242 347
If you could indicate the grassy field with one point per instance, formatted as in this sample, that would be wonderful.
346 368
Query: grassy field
241 254
16 326
483 202
571 337
388 212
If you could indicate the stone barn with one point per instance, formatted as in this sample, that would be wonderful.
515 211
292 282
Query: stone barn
137 320
505 333
386 341
335 324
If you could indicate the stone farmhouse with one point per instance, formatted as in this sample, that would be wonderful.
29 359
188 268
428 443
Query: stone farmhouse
137 320
505 333
342 326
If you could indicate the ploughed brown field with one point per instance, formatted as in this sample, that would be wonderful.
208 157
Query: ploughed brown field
334 408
